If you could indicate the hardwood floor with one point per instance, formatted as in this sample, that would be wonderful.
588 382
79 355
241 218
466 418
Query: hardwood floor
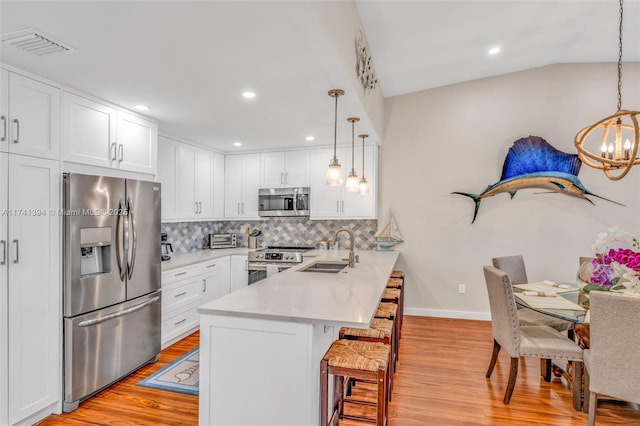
440 381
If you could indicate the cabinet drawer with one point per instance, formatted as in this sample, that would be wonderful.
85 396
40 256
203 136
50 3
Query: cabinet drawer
179 322
181 295
178 274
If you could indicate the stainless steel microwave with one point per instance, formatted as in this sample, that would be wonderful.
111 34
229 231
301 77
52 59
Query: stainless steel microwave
283 202
222 241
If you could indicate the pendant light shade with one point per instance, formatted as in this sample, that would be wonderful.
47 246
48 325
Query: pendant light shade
352 180
334 176
363 185
615 150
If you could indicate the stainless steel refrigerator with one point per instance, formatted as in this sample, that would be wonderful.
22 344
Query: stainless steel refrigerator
112 283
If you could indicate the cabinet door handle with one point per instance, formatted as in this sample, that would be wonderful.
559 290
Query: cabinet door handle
213 265
200 204
4 252
180 322
4 128
115 150
204 285
180 295
17 251
282 178
120 153
246 265
17 138
180 273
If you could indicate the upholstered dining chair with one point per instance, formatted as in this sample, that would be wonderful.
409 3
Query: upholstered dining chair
613 360
514 266
525 341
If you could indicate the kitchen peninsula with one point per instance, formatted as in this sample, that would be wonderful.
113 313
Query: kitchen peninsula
260 347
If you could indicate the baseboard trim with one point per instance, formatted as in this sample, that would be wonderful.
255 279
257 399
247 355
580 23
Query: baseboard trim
441 313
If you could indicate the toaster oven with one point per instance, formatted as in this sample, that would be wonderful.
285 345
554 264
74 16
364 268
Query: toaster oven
218 241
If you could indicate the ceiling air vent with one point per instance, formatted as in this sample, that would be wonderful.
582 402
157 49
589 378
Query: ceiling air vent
35 42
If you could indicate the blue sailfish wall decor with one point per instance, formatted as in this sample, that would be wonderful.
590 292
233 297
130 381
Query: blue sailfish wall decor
533 163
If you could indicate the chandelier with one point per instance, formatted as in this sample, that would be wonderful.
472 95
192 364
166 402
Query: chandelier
617 146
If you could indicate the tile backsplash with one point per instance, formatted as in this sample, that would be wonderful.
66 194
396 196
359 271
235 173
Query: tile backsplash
186 237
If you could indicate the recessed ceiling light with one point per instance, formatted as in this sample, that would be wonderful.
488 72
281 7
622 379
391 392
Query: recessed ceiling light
142 107
494 50
248 95
237 143
310 138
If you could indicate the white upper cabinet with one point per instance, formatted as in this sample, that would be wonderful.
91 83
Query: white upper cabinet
335 202
242 181
137 142
284 169
168 151
98 134
30 117
192 181
89 131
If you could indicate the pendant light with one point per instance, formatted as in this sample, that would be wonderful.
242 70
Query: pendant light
352 180
363 186
618 153
334 175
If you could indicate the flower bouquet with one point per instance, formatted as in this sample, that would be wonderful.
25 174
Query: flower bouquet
616 265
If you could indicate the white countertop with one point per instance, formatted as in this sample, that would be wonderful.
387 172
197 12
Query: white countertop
346 298
180 260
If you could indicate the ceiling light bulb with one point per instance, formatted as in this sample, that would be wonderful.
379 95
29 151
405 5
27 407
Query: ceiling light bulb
237 144
248 95
141 107
310 138
494 50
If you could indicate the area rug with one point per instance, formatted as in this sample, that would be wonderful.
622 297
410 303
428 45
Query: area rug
182 375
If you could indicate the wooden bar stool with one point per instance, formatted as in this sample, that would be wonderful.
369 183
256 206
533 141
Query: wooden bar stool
394 295
380 331
366 361
397 281
389 311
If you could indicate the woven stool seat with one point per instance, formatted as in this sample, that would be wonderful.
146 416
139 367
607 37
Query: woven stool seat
391 294
358 355
386 310
395 283
397 274
379 328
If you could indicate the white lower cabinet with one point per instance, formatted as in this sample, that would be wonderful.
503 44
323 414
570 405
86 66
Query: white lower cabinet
30 288
186 288
239 272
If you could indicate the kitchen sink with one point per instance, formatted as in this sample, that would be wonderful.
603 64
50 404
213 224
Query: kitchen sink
326 267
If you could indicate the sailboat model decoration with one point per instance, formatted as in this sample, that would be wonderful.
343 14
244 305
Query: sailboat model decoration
388 233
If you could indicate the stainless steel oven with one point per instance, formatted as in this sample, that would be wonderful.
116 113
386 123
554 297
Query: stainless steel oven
271 260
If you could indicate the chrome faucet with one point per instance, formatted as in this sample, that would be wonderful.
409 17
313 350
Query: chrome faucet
352 257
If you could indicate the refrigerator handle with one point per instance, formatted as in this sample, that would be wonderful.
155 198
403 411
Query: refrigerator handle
134 243
119 249
95 321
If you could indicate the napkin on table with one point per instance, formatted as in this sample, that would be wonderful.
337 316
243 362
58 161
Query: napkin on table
554 284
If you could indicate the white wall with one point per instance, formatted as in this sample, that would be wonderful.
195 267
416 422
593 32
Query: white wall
455 138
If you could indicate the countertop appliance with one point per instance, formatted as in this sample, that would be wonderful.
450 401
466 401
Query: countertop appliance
166 246
111 299
217 241
273 259
283 202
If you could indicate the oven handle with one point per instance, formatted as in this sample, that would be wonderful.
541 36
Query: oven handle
254 267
